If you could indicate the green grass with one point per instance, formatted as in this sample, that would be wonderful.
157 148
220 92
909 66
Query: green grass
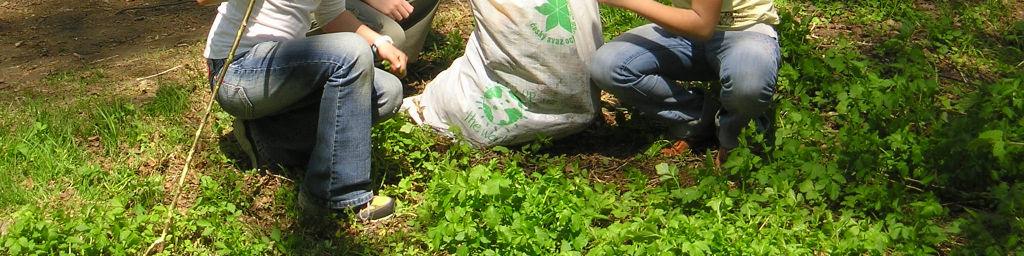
882 148
617 21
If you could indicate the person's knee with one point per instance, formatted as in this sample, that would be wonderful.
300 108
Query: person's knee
388 94
605 68
748 92
349 48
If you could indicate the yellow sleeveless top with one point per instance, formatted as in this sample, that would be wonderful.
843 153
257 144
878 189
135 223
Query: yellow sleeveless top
741 14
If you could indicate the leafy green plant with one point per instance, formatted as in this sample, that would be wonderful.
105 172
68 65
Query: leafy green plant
900 130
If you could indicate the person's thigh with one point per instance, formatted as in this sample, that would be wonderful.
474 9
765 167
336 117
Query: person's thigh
274 77
647 50
386 98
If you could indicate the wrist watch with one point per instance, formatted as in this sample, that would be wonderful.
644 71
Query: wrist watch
380 40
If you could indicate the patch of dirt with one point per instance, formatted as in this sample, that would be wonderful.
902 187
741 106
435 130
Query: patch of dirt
189 189
28 184
1019 13
151 166
453 16
925 6
3 226
67 199
42 37
263 190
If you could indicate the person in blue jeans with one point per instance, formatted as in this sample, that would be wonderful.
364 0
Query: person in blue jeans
729 41
315 97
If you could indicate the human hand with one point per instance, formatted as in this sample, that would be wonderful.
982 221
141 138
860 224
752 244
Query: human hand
396 9
395 57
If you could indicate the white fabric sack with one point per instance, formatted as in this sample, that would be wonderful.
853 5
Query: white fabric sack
523 76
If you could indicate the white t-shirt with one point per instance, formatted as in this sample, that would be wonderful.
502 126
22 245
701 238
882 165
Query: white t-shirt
271 20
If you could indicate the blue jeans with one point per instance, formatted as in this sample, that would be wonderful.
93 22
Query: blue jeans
642 66
315 97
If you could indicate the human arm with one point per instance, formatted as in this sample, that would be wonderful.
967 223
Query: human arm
346 22
398 10
698 23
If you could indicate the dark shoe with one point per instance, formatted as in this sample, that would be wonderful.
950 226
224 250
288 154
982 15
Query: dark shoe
244 137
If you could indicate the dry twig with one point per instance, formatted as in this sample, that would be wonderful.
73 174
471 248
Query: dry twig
161 73
103 59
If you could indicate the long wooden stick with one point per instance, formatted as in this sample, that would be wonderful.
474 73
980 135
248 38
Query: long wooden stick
202 125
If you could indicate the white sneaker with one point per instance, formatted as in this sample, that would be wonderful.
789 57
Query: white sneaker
244 137
411 106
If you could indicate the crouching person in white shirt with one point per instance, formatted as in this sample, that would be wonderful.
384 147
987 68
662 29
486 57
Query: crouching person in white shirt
320 94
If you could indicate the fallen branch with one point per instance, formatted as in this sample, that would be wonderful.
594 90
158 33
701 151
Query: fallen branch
624 163
279 176
103 59
904 184
962 79
161 73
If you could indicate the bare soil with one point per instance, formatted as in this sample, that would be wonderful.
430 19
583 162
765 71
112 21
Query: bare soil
41 37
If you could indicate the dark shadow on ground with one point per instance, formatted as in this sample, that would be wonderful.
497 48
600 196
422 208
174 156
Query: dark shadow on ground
626 138
304 233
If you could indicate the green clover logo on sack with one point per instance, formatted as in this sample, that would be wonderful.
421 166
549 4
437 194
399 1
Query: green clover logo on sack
501 107
500 112
559 26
